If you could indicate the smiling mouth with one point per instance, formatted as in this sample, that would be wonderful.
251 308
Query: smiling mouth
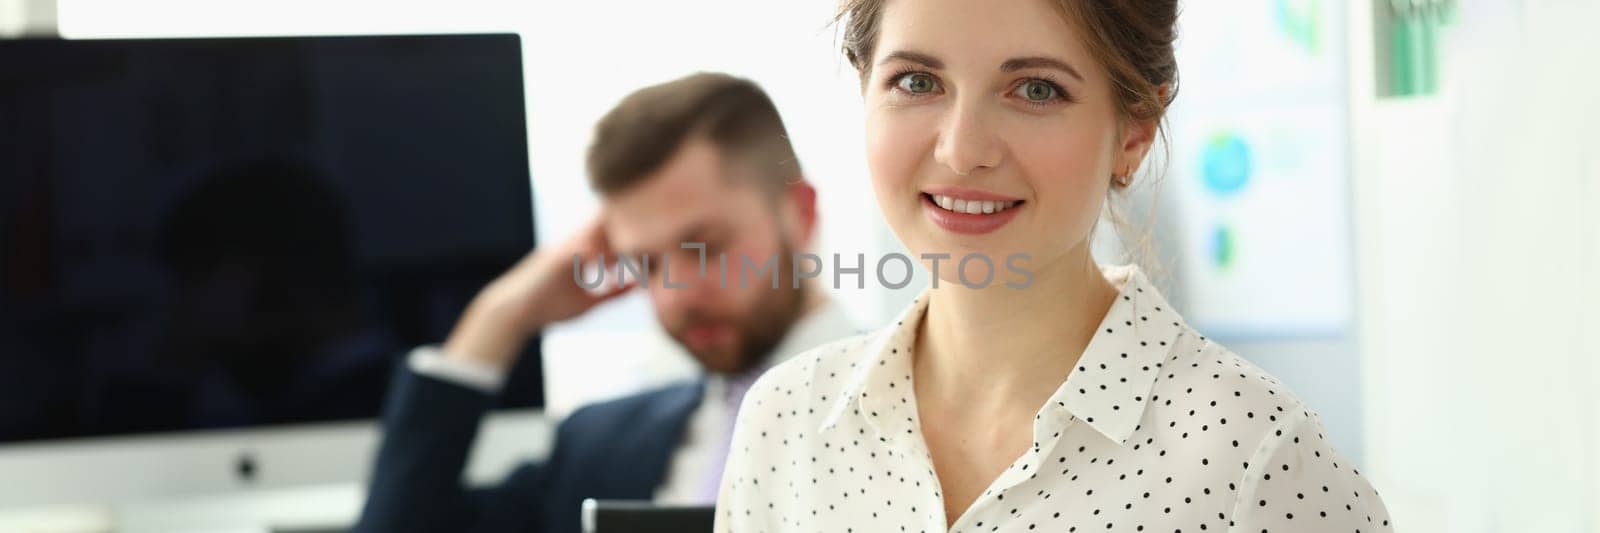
970 207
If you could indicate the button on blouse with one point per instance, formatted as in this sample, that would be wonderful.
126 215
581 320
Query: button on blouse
1156 429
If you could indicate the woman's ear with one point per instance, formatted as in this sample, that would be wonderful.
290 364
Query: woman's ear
1138 137
1136 141
800 219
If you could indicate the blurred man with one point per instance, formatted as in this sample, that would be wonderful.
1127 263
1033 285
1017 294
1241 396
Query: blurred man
703 159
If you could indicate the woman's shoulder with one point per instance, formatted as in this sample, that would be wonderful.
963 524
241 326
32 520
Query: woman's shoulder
1223 408
1199 369
1215 398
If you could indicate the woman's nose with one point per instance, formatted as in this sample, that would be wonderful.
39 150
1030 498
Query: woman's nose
966 144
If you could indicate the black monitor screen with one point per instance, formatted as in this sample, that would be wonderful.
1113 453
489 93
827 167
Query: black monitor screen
223 233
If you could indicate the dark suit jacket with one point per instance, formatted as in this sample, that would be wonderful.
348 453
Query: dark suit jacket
614 450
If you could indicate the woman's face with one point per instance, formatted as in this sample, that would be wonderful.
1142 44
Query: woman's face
990 130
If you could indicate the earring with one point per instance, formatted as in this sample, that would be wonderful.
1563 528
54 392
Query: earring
1122 180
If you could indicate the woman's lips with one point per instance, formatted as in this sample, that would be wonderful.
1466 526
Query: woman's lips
992 211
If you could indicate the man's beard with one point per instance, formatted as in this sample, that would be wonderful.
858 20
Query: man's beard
757 331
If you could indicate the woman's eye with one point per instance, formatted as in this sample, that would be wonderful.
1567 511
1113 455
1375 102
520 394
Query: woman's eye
917 83
1037 91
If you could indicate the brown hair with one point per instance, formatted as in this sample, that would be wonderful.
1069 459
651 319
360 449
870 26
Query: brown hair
1131 39
643 131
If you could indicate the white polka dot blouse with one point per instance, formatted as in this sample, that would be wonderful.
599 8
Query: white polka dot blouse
1158 429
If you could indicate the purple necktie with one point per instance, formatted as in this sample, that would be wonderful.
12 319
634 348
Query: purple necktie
737 385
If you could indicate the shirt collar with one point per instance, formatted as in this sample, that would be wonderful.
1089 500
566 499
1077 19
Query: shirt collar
1108 390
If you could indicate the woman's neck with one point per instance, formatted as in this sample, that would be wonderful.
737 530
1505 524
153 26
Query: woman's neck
1022 341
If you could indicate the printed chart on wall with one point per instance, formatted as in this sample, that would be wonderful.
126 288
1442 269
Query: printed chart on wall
1259 169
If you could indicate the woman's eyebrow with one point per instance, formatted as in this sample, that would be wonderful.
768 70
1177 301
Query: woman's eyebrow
914 57
1012 65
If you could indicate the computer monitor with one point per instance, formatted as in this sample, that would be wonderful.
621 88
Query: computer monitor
625 516
214 252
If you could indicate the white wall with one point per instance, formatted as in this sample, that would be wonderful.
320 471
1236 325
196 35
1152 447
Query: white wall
1479 242
27 17
11 13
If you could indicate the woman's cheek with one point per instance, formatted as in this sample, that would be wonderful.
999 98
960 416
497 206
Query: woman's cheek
1066 174
892 157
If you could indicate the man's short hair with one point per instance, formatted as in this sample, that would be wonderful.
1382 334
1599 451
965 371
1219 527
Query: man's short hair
642 132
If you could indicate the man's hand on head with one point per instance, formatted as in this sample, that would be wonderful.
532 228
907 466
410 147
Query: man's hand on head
539 290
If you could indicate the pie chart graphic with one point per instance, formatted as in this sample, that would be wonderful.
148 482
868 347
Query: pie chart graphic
1226 164
1222 247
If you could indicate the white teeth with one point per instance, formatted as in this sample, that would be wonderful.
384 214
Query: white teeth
973 207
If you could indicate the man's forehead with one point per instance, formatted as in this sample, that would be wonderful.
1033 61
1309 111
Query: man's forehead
635 232
690 193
